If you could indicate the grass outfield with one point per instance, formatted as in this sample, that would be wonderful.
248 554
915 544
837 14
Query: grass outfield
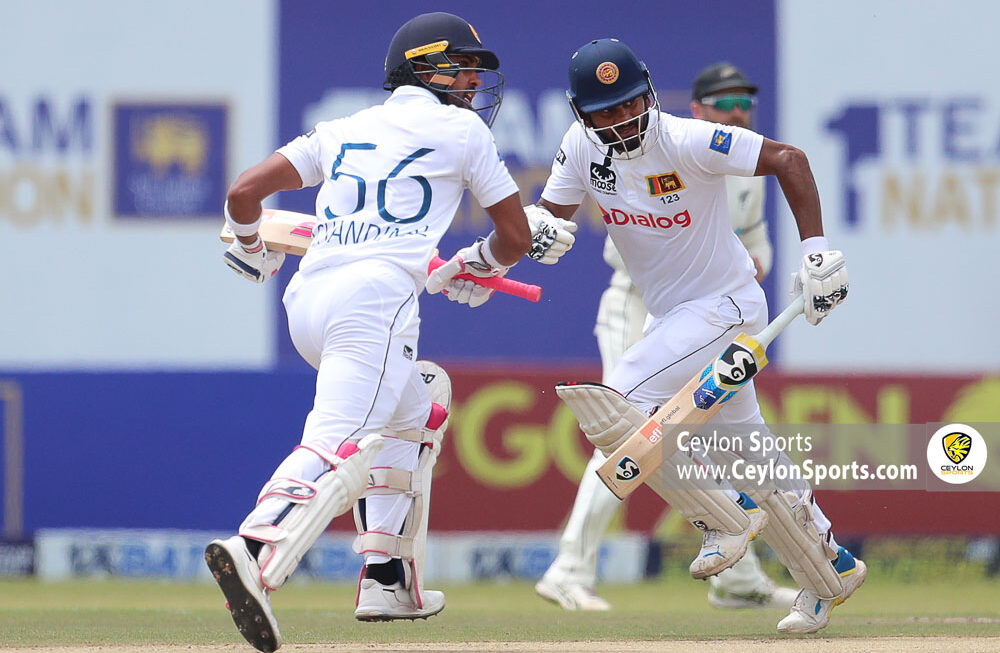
117 613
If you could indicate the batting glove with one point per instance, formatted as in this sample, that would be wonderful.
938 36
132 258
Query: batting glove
253 261
477 260
551 237
822 280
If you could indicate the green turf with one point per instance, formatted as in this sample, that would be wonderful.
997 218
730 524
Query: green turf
45 614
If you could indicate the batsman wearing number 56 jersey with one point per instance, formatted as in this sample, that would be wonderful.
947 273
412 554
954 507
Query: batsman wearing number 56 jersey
660 182
390 179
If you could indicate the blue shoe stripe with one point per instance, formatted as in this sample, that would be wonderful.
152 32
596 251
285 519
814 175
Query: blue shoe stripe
747 503
844 564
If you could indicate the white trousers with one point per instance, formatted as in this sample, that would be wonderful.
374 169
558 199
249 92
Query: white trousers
358 326
652 370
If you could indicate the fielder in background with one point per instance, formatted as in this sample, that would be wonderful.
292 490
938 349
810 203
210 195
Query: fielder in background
391 178
660 182
722 94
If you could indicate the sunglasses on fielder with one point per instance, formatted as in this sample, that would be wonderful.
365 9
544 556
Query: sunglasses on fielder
743 101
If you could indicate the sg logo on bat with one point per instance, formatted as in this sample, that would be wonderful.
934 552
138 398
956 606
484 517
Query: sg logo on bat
628 469
739 363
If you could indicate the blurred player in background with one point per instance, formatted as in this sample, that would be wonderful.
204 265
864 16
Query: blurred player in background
722 94
660 182
391 180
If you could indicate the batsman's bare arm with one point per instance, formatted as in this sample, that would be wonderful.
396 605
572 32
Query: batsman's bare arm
564 211
255 184
511 237
791 167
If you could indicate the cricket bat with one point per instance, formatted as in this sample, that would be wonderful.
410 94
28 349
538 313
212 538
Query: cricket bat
291 232
700 399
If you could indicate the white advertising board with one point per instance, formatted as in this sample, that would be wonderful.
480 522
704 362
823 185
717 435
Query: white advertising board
121 125
891 102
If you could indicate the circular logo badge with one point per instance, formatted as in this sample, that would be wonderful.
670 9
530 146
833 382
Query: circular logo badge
956 453
607 72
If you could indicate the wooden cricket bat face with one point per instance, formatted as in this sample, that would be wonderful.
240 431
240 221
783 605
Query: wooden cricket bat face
696 403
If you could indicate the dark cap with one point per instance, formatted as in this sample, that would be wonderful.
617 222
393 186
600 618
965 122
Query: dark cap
720 77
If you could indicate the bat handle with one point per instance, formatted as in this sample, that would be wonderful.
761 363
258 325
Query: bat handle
520 289
777 325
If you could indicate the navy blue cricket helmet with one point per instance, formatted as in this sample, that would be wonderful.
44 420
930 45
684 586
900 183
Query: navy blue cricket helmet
423 44
603 74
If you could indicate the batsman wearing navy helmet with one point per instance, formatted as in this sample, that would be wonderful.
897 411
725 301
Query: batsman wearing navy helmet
390 180
660 182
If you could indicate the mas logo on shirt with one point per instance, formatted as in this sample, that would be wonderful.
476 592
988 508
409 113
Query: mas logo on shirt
664 184
561 157
721 140
602 178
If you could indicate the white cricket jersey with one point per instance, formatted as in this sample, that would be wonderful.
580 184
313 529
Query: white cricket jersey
667 210
393 176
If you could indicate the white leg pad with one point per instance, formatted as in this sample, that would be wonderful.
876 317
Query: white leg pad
799 546
607 419
410 545
313 506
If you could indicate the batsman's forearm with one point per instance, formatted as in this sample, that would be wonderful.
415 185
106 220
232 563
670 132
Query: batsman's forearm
511 237
799 187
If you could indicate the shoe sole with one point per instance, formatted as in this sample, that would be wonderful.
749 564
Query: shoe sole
381 616
248 614
752 534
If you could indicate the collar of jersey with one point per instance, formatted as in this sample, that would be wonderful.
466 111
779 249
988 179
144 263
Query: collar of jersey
411 93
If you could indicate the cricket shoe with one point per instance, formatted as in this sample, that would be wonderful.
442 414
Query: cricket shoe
238 575
767 595
378 602
570 596
811 613
721 550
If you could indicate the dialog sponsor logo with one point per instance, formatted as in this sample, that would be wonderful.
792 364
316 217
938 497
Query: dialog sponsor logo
648 220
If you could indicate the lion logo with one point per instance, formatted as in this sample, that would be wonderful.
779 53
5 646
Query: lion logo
957 446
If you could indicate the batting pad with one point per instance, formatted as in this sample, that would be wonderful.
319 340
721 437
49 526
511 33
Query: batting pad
799 546
608 419
411 543
313 506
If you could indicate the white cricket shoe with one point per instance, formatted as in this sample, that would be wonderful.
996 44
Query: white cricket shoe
767 595
238 575
378 602
720 550
570 596
811 613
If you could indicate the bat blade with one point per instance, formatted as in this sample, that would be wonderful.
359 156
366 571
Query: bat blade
282 231
644 451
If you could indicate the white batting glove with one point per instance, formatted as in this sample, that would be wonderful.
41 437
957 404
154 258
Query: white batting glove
822 280
477 260
551 237
253 261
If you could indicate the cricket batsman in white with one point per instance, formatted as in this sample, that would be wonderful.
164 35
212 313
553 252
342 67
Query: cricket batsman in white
391 178
660 182
721 93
